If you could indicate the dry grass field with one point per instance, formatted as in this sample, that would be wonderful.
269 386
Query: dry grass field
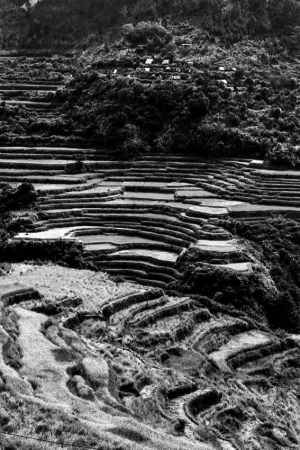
56 282
59 386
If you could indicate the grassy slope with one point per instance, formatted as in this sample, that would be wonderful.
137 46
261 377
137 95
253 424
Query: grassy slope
264 403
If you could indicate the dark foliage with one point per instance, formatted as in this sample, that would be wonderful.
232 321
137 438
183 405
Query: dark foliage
166 116
62 23
278 241
67 253
228 288
22 197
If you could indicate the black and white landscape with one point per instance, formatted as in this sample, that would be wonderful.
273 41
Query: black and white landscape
149 224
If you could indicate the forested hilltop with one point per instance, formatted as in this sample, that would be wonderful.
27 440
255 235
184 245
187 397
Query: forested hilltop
55 23
223 78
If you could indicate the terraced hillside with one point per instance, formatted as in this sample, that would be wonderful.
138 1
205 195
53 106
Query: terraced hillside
135 218
132 363
138 217
135 362
28 80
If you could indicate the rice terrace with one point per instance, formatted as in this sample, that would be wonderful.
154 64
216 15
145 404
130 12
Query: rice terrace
149 225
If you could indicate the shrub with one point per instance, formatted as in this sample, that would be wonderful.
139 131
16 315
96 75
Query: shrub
283 155
233 120
16 198
278 244
198 106
60 251
130 434
144 31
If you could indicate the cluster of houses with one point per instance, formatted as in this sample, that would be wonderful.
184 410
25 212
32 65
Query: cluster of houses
152 71
223 82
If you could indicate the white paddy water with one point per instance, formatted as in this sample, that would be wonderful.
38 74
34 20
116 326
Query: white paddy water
155 254
218 246
55 233
238 267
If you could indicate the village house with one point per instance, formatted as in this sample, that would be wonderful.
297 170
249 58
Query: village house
222 83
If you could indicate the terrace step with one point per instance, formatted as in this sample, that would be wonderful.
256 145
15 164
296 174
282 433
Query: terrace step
108 310
135 273
93 193
141 265
41 179
161 258
154 246
37 81
80 202
27 87
33 105
51 150
42 156
158 237
31 164
15 294
133 229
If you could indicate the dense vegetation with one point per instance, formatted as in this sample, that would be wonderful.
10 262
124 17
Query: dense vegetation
13 202
58 23
16 214
278 244
23 196
241 291
257 116
200 116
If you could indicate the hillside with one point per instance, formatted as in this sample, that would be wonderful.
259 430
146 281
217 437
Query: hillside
178 326
149 225
139 369
65 23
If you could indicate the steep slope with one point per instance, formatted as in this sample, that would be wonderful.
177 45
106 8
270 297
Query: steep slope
154 370
185 352
156 220
65 23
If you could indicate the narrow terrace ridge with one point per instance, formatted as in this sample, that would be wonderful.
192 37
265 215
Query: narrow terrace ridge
27 87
